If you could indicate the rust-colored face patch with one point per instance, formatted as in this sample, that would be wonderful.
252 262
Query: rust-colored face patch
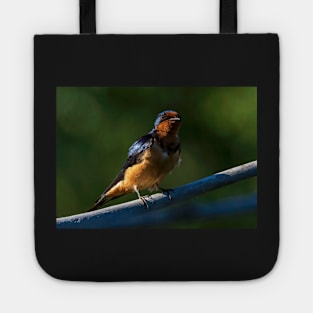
168 122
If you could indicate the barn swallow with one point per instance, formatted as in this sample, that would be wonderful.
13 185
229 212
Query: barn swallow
150 159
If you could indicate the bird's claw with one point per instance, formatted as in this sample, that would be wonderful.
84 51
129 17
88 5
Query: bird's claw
144 202
166 192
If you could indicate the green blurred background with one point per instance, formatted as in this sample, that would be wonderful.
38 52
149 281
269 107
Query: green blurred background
96 126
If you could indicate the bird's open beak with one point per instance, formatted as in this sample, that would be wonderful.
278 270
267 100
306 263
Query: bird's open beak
175 119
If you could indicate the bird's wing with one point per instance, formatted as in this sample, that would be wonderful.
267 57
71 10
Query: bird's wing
137 149
135 153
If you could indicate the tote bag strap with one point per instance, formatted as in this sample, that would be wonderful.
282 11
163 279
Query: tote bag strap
228 16
87 16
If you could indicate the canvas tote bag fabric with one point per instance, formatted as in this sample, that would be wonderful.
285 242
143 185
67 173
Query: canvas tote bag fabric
103 245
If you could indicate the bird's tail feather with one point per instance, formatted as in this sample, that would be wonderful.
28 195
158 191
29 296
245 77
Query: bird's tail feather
100 202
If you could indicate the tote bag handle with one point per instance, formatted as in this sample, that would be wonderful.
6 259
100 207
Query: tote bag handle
228 16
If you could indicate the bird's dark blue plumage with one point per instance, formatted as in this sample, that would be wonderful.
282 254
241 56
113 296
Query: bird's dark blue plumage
137 148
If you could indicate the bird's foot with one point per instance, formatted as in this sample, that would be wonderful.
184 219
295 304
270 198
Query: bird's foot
166 192
143 199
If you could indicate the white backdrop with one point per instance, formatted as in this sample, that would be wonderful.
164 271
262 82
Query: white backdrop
24 286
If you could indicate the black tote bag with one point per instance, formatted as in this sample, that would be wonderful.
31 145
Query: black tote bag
210 100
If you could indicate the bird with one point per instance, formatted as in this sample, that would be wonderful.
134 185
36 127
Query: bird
150 159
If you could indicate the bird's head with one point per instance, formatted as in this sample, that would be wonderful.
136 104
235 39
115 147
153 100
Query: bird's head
168 122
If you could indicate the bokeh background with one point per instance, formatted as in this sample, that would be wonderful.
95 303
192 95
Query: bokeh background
96 126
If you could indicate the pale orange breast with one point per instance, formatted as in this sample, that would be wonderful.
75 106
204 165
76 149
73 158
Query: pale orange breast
156 164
